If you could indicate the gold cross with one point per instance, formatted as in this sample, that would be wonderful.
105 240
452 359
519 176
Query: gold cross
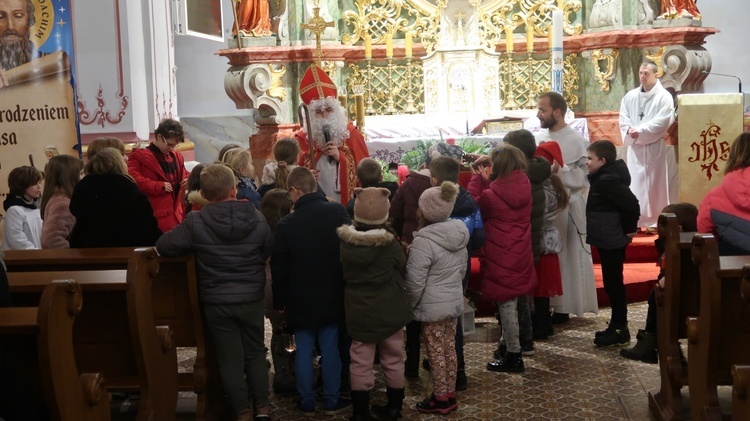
317 26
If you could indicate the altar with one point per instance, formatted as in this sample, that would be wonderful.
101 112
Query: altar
389 137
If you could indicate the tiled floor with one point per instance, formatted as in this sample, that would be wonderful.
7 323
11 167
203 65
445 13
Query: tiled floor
567 379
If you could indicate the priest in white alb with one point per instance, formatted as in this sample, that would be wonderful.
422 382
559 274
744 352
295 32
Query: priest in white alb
576 267
646 113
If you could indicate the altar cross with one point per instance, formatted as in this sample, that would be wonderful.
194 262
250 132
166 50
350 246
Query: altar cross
317 25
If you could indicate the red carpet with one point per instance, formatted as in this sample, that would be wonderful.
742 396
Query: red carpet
639 273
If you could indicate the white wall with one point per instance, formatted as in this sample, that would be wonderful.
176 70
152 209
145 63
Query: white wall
728 48
200 74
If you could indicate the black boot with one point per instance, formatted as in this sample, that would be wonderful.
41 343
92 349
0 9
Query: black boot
392 410
462 382
540 319
360 405
511 363
644 350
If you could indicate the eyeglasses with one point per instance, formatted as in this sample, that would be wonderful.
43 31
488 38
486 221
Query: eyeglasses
169 145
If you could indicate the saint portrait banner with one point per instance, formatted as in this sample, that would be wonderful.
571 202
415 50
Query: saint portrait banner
38 117
707 124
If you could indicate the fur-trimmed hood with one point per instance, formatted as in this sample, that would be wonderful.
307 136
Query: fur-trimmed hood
195 198
371 238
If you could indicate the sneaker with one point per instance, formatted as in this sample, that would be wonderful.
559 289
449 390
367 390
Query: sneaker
433 406
599 333
527 350
613 337
344 405
306 411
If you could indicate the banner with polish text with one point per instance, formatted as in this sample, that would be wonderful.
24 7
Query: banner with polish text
38 116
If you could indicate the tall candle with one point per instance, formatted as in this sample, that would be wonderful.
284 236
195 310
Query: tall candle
408 44
389 45
359 104
368 47
557 29
529 37
508 39
343 102
556 51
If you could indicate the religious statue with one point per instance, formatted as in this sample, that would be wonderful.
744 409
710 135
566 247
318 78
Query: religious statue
252 18
674 9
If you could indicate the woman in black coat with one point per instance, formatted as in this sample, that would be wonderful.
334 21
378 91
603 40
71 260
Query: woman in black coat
110 211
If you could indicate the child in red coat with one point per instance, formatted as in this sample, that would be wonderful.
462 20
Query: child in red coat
506 259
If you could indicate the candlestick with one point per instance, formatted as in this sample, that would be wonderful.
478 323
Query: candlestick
508 40
408 45
529 37
368 47
388 45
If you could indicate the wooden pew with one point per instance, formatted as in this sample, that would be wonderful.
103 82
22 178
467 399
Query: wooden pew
720 336
677 300
175 303
116 333
740 395
40 344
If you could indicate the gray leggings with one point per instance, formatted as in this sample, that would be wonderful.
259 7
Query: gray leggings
509 322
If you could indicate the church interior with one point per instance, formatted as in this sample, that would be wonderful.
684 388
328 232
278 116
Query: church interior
409 74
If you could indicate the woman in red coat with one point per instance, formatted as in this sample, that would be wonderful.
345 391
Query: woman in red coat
506 259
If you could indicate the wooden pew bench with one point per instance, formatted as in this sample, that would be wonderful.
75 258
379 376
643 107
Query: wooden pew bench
741 373
116 332
675 302
174 297
39 343
719 337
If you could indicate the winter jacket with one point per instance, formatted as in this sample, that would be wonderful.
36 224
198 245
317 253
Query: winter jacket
246 190
150 178
231 241
435 271
506 260
725 210
405 203
22 225
110 211
375 297
58 222
305 263
612 210
538 170
467 211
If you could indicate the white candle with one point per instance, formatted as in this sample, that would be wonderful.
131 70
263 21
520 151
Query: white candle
557 29
556 54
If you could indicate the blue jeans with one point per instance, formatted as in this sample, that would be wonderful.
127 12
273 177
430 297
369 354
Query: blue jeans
328 337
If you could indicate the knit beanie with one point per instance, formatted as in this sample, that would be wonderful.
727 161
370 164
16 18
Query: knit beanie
523 140
436 203
444 149
372 205
551 151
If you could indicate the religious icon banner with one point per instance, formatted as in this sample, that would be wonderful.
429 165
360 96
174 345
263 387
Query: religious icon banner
38 115
707 124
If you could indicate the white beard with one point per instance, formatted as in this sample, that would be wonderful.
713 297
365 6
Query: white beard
336 121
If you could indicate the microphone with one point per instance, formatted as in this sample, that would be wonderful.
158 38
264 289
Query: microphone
722 74
327 136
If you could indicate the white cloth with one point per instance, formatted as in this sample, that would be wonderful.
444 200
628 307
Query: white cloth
328 178
576 267
22 229
650 113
